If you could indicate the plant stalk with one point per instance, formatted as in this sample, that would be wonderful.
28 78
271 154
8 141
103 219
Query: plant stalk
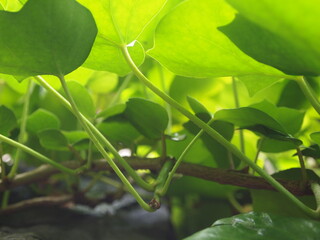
237 104
35 154
101 149
99 135
214 134
22 134
308 92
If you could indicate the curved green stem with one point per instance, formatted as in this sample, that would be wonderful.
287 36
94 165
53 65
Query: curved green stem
101 149
214 134
36 154
304 175
308 92
179 161
316 191
237 103
99 135
22 134
120 90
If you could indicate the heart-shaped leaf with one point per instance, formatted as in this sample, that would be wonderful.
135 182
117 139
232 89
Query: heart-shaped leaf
119 22
45 37
188 42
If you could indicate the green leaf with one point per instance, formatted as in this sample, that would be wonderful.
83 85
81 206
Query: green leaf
148 117
82 98
196 106
255 226
219 153
290 119
45 37
53 139
11 5
262 123
119 22
112 111
262 31
74 137
312 151
188 43
41 120
119 131
315 137
256 83
8 120
248 117
103 82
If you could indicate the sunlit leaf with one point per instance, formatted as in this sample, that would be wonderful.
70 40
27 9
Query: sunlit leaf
119 22
45 37
188 42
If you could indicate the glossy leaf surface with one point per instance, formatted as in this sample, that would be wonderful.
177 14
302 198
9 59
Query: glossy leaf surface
254 226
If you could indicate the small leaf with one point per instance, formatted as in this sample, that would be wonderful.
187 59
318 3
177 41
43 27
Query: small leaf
256 83
8 120
315 137
148 117
112 111
196 106
41 120
45 37
82 98
53 139
103 82
312 151
75 136
119 131
255 226
290 119
248 117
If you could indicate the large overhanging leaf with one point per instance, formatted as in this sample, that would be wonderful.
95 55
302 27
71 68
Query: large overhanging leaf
188 43
283 34
255 226
45 37
119 22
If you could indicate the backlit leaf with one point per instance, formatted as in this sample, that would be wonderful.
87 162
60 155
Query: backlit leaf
188 43
119 22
